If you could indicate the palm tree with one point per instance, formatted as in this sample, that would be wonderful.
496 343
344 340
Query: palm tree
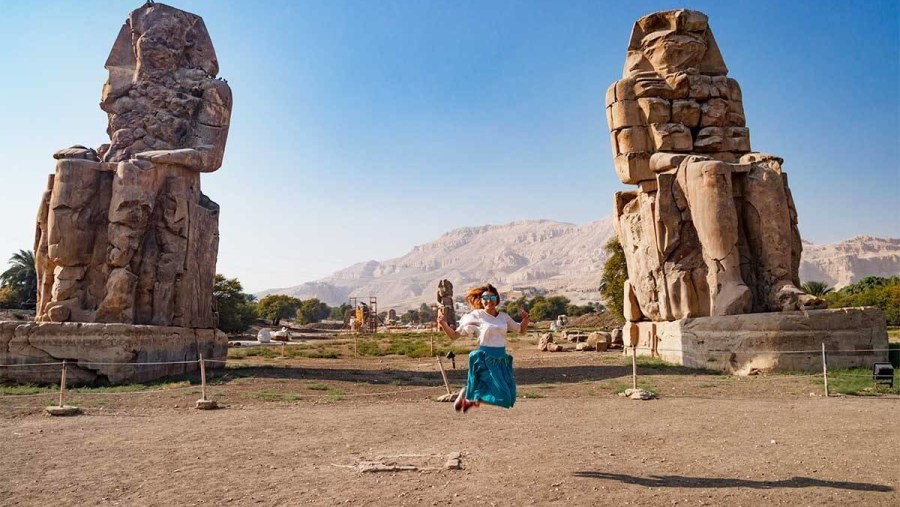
816 288
21 276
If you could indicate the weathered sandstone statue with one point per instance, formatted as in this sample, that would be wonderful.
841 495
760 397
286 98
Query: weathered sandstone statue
710 234
124 233
445 301
712 228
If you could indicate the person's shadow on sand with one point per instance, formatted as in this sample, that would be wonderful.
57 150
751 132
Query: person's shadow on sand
678 481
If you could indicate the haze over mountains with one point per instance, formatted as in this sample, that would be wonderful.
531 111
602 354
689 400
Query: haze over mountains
559 258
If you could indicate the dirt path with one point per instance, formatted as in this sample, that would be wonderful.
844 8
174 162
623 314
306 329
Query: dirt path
709 440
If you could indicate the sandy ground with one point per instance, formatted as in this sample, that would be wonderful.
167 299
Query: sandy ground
290 433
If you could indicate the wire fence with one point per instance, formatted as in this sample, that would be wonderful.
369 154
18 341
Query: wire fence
685 378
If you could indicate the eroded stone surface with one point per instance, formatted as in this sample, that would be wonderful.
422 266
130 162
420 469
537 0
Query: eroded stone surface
85 345
764 342
124 233
712 228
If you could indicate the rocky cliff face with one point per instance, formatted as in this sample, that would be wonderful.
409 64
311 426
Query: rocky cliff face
840 264
554 257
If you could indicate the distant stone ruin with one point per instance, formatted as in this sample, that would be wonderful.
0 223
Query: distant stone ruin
711 230
445 301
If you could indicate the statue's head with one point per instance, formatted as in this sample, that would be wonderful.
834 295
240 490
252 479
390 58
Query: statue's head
157 39
668 42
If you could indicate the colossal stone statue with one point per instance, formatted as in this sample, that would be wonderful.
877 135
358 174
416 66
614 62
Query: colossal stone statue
712 228
124 233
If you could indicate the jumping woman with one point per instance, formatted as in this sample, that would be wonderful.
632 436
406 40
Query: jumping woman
491 378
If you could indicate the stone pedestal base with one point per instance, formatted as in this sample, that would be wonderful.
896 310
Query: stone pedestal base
766 342
86 345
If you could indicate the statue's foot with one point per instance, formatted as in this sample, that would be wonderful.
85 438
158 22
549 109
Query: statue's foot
789 298
732 299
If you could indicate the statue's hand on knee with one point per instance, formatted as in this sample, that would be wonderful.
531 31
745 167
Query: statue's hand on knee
186 157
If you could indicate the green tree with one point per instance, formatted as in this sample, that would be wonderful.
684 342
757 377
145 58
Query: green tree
275 307
312 310
426 314
340 312
816 288
869 283
410 317
237 310
542 308
870 291
21 277
579 310
8 298
612 283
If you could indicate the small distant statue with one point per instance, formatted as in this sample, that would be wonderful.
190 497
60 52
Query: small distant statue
392 316
445 301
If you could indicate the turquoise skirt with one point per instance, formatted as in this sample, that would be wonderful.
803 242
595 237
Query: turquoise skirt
491 377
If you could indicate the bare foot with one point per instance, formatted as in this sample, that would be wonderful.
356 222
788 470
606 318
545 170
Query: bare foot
788 298
732 299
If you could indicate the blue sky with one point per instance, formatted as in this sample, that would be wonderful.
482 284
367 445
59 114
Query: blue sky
361 128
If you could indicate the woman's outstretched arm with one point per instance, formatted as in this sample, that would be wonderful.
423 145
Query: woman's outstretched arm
523 326
442 323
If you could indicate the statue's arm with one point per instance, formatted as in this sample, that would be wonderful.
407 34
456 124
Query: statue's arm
210 132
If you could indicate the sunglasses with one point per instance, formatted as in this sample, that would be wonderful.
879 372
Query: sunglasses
489 297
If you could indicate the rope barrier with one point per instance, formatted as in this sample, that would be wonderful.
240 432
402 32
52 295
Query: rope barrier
724 351
27 365
156 363
696 378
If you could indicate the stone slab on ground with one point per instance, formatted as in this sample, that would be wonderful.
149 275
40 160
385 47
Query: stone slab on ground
63 411
766 342
84 345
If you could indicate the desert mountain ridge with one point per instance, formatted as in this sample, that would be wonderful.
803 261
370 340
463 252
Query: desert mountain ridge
551 257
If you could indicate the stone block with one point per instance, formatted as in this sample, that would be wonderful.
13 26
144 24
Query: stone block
85 345
738 139
758 342
655 110
711 139
599 341
671 137
633 140
686 112
633 167
735 116
611 94
648 186
714 113
616 337
625 113
724 156
734 90
545 341
630 305
625 89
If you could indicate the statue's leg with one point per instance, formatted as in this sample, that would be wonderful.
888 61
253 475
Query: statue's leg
768 218
708 190
133 196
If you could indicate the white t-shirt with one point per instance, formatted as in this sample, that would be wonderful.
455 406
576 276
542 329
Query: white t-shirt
491 330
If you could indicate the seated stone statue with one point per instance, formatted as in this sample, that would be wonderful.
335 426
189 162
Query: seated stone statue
712 229
124 233
444 298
